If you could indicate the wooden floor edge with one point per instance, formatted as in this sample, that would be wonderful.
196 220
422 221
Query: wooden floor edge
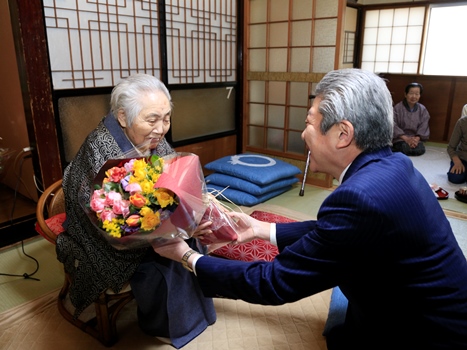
455 214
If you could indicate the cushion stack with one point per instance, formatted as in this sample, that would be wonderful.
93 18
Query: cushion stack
250 179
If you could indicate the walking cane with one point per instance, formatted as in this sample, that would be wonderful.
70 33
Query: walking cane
302 190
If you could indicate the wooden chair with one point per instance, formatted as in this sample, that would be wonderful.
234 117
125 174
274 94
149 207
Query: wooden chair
50 214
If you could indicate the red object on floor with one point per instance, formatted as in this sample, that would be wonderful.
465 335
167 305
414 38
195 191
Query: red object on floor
256 249
439 192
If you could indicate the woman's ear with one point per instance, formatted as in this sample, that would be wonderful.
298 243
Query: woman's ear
346 134
121 118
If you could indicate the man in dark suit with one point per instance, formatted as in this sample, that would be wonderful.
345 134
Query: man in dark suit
381 235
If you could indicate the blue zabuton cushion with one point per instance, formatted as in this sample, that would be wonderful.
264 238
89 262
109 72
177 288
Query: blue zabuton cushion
255 168
243 198
236 183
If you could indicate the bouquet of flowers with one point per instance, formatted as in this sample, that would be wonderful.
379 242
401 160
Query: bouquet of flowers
127 202
138 202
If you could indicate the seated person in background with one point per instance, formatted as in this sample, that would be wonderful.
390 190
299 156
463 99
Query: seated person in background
411 123
401 269
170 302
457 150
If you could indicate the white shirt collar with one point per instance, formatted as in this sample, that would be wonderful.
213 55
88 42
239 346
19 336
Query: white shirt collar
343 173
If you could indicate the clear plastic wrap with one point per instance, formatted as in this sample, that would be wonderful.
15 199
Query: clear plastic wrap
224 228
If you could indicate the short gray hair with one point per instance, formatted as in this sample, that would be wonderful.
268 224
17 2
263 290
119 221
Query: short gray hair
127 94
362 98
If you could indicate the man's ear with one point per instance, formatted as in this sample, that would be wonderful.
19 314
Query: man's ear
121 118
346 134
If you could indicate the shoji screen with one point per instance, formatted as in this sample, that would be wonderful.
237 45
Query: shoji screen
290 45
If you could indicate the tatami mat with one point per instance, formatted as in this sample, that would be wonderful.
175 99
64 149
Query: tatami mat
239 325
38 325
15 290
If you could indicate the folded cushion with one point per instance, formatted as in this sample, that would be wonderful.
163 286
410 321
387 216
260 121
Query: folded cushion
337 311
55 224
258 169
243 198
233 182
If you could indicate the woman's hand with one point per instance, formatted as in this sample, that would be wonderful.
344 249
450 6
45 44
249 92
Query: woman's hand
458 167
173 249
412 141
204 228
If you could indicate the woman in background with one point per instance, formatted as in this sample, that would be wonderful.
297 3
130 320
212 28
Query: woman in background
170 303
457 150
411 123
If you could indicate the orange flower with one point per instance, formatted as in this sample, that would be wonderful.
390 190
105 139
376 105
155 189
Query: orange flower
133 220
138 200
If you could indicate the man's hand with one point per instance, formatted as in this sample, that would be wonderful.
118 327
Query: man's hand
249 228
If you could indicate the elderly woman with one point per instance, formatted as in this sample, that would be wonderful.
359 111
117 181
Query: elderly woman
411 119
170 303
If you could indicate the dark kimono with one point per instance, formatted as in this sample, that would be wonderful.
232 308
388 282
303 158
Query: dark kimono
170 302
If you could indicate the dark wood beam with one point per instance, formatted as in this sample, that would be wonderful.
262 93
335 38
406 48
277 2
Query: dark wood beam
33 62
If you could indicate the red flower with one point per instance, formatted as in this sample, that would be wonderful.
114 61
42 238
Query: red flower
116 174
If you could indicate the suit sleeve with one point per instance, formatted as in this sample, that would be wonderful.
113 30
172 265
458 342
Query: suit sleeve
312 258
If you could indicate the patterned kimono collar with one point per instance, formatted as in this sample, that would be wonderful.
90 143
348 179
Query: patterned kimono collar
117 133
406 105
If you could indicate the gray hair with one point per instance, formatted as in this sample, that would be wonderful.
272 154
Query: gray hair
362 98
127 94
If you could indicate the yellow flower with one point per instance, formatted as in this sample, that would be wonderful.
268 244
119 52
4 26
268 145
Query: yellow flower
113 227
147 186
154 174
139 170
164 197
149 220
145 211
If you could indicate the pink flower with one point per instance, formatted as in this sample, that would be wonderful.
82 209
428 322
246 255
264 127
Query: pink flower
133 188
121 207
98 200
112 197
108 215
129 165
